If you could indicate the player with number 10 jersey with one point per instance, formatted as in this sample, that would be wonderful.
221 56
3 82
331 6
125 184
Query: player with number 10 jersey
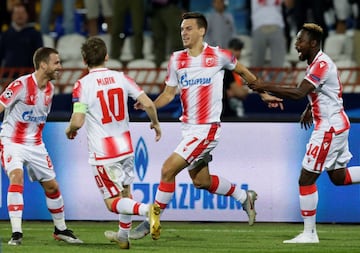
110 89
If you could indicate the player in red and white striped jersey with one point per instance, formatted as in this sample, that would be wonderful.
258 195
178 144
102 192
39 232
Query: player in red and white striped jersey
198 72
100 100
328 148
27 102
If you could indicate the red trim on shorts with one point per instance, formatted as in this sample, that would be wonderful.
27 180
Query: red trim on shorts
166 187
324 150
204 143
14 208
308 213
347 179
214 184
307 189
136 208
106 181
114 204
16 188
53 195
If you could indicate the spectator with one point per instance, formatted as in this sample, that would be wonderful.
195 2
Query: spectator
20 41
317 8
221 25
5 13
234 89
165 24
342 13
136 10
267 32
356 38
68 15
95 8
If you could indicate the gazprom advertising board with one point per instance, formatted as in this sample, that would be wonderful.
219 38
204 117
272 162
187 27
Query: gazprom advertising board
265 157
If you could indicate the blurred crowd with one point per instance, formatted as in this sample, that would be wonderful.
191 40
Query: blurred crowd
150 28
143 33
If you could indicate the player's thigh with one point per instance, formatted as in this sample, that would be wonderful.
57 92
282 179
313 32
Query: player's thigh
39 164
111 178
12 157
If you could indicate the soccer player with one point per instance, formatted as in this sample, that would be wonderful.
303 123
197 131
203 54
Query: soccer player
27 102
327 149
198 72
100 100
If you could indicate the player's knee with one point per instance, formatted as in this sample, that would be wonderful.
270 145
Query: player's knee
336 180
51 187
337 177
307 178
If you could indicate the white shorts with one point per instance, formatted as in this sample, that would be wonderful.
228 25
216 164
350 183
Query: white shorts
111 178
35 158
327 151
197 142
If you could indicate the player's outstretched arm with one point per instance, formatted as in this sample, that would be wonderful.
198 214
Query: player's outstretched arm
148 105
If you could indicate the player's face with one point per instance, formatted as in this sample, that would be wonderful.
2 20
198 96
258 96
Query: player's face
53 67
190 32
302 45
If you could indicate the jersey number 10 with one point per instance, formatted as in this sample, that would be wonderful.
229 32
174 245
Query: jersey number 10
112 102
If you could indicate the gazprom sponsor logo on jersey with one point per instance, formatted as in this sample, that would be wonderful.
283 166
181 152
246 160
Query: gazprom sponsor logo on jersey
184 82
27 116
186 195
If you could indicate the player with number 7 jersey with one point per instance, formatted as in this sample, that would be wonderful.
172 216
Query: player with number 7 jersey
101 101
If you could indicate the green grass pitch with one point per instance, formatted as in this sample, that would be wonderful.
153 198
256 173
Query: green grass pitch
180 237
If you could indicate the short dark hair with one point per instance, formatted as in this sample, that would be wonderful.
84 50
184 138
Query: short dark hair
94 51
236 44
200 19
315 31
42 54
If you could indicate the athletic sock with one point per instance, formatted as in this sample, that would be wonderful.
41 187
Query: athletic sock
15 204
222 186
55 205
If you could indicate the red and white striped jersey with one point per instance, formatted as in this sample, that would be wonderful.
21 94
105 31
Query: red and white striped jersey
326 99
105 93
200 80
26 110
